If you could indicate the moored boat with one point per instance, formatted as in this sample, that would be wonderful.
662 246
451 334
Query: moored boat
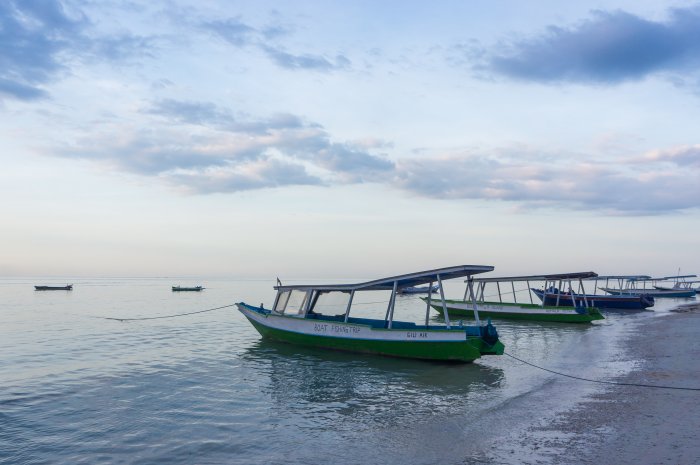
190 289
474 296
637 285
681 283
68 287
620 301
301 315
420 290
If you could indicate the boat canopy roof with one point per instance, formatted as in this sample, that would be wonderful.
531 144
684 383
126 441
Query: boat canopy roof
671 278
631 277
544 277
402 281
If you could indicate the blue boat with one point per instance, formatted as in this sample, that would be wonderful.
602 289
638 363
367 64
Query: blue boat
621 301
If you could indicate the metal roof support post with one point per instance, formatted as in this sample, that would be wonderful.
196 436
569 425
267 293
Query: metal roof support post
544 292
392 301
307 301
583 291
471 292
498 286
482 287
347 310
512 285
466 292
529 292
558 293
444 305
277 299
427 308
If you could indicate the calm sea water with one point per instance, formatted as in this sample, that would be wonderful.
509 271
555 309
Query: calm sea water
205 389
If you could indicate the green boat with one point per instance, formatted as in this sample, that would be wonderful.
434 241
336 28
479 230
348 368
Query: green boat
301 314
474 297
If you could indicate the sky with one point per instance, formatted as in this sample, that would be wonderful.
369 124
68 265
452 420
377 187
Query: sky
256 139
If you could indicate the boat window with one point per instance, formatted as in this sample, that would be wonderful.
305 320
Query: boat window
282 301
332 303
292 302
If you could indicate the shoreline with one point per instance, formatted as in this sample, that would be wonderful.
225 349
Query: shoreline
620 424
654 425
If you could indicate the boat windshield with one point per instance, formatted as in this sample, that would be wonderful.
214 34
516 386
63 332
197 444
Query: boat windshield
292 302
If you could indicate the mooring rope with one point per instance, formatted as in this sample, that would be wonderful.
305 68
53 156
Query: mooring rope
164 316
601 381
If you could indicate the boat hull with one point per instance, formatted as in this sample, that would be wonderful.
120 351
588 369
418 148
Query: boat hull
54 288
651 292
187 289
417 342
623 302
511 311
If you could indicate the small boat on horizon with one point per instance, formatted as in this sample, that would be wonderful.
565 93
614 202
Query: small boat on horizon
187 289
310 315
68 287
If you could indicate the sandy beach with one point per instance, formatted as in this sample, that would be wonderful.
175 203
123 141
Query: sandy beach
628 424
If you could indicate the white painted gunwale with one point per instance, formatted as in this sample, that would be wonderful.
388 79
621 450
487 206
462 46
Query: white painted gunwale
343 330
514 308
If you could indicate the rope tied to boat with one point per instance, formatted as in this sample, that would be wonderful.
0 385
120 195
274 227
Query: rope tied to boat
657 386
165 316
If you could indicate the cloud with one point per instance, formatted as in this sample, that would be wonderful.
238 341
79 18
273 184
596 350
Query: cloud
209 114
305 61
204 113
615 189
608 48
201 147
122 47
232 30
41 39
264 173
33 34
684 157
240 34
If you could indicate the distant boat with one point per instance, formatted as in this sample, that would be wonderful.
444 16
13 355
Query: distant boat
620 301
636 285
190 289
557 311
68 287
420 290
680 283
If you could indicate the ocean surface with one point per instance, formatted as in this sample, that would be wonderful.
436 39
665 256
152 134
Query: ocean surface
76 387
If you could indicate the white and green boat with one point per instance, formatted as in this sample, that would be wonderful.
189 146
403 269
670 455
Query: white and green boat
299 316
507 306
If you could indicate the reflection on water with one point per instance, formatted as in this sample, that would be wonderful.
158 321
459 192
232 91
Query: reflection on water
371 390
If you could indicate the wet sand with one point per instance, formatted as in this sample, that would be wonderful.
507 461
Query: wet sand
628 424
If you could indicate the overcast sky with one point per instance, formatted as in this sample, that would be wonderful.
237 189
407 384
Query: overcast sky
348 139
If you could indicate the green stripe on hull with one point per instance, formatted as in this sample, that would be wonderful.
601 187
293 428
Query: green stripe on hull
458 351
572 317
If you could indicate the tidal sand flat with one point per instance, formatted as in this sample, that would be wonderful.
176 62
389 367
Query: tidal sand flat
619 424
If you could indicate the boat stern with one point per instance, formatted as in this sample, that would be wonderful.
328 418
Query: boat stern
485 339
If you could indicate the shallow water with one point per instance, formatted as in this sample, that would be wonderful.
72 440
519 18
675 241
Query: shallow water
204 388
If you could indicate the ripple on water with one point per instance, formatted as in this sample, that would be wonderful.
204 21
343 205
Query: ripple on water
206 389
